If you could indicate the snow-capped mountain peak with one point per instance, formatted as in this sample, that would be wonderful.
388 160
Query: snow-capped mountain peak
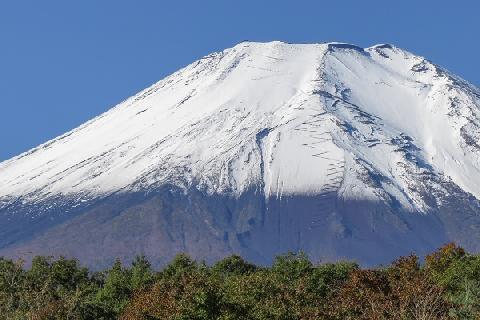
287 118
263 148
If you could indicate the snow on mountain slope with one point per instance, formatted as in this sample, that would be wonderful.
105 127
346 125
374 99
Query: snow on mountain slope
280 118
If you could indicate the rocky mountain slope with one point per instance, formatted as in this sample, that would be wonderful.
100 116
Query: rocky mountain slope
340 151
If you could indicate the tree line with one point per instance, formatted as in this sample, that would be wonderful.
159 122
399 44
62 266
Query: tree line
445 286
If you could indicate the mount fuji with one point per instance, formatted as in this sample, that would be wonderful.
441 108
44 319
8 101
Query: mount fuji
339 151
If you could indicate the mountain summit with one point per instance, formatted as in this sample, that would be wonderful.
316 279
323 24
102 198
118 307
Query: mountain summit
336 150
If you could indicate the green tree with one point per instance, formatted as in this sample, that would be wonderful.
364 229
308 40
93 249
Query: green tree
116 291
233 265
462 283
180 264
141 273
12 281
292 265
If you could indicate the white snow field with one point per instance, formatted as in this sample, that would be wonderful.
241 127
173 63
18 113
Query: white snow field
291 119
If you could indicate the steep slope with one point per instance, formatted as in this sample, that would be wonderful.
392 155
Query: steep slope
333 149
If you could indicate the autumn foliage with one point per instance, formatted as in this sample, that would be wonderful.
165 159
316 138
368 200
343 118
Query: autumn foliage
446 285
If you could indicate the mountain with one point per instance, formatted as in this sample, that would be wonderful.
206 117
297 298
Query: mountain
263 148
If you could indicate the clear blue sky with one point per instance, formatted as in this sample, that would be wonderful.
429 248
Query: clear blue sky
63 62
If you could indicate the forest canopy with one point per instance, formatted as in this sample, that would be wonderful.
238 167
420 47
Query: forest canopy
445 286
